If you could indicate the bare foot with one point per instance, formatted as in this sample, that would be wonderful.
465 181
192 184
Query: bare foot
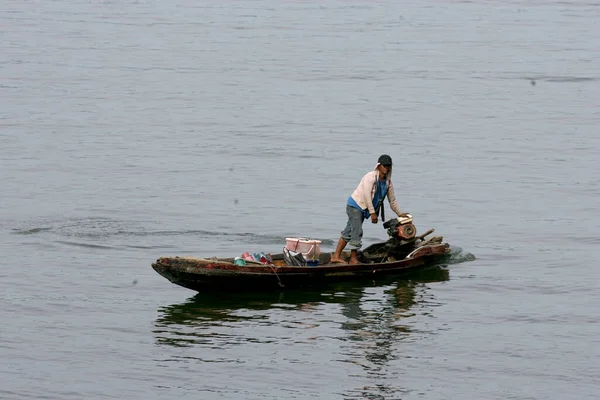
336 261
354 261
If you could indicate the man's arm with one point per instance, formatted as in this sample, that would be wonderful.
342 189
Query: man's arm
367 191
392 199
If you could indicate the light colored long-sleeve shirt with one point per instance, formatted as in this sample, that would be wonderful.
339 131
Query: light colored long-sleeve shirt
365 192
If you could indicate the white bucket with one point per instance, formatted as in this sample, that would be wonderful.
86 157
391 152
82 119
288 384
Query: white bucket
309 248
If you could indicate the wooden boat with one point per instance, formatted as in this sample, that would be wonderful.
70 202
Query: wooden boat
397 256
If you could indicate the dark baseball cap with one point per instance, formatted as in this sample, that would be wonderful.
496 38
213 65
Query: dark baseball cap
385 160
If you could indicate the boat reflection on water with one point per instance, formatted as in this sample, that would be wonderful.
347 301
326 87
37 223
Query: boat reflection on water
306 339
201 318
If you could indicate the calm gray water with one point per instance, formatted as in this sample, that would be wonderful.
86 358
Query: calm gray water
131 130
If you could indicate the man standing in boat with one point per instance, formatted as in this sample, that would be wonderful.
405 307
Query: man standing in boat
366 202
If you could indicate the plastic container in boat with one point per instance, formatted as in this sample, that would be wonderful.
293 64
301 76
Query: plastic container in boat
239 261
310 248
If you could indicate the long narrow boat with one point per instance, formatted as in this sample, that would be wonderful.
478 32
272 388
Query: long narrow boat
397 256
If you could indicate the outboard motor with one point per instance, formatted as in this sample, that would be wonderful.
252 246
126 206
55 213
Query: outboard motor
401 228
402 240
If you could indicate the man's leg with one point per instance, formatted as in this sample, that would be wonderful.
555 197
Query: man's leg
353 257
356 218
337 256
347 234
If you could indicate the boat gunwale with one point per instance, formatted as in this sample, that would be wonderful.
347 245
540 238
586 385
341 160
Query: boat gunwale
200 266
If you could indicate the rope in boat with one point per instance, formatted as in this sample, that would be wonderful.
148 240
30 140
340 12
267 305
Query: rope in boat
275 272
386 254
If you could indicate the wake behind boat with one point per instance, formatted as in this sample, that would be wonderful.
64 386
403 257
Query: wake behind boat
403 253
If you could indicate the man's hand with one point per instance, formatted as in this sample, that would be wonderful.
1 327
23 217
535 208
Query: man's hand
403 215
374 218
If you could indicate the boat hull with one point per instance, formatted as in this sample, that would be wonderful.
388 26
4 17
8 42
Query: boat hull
203 275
